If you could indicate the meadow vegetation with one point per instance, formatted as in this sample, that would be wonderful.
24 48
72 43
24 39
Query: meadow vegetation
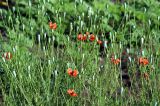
51 49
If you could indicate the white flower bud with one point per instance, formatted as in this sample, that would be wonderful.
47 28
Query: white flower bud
122 89
125 5
145 9
29 68
53 38
45 35
81 1
77 28
71 25
29 3
83 56
120 45
49 62
142 52
134 26
94 26
142 41
55 73
44 49
105 44
83 14
14 9
39 38
64 15
49 40
107 6
14 50
130 59
156 104
53 59
149 21
23 27
68 38
79 18
14 73
93 77
3 59
44 1
81 24
127 50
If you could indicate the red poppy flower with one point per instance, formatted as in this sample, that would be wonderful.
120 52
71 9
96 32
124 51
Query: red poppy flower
52 25
143 61
115 61
69 71
92 37
72 73
84 38
72 93
99 42
7 55
80 37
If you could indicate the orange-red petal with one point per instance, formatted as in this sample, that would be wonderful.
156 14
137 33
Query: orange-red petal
92 37
140 60
70 91
99 42
80 37
84 37
87 33
74 94
117 61
69 71
53 25
143 61
75 73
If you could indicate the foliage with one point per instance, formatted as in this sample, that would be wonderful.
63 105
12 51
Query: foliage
36 74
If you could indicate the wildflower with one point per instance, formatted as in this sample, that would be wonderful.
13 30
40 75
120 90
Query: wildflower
115 61
146 76
80 37
143 61
7 55
52 25
84 38
87 33
69 71
99 42
72 93
72 73
92 37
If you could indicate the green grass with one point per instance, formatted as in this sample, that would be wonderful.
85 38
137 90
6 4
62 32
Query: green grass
37 75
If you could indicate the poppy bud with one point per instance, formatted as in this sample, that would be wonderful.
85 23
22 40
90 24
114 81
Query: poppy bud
92 37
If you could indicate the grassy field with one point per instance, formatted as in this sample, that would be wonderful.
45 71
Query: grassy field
70 52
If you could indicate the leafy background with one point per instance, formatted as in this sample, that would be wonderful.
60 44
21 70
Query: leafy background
30 78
